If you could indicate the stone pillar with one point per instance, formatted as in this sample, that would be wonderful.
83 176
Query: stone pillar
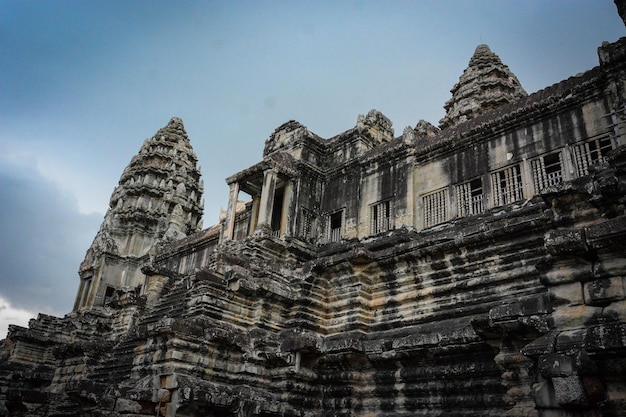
267 199
254 215
229 222
286 220
83 290
569 169
527 179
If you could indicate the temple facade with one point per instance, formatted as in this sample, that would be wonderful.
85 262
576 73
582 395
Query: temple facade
473 269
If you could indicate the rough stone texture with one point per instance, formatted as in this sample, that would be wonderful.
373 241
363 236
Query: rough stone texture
158 200
475 270
486 84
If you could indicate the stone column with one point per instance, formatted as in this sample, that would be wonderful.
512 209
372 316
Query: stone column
568 167
229 222
267 199
527 179
254 216
286 218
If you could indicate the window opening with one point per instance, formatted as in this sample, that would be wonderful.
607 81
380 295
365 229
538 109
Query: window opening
469 198
435 208
277 212
380 215
590 153
242 214
336 220
507 185
108 295
547 171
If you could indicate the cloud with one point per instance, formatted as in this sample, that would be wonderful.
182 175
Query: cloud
11 315
43 238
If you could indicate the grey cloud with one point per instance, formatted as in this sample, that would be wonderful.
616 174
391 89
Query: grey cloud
43 238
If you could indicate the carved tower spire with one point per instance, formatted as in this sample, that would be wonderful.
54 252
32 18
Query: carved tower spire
486 84
158 199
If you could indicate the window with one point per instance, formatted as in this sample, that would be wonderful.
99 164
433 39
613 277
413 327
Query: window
336 219
547 171
507 186
469 198
307 224
380 217
435 208
277 212
591 152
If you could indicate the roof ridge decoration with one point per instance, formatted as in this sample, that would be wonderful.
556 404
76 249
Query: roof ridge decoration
377 125
285 136
484 85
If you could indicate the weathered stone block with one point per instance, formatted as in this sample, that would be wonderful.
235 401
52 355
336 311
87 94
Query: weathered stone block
616 395
568 270
541 322
565 241
616 311
556 413
569 391
606 336
161 395
544 396
541 346
572 317
602 235
525 307
169 381
505 312
594 390
561 365
122 405
571 340
556 365
604 290
567 294
610 262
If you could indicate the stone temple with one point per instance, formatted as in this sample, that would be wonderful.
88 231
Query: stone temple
475 269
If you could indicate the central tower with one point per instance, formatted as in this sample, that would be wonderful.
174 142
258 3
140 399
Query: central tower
158 199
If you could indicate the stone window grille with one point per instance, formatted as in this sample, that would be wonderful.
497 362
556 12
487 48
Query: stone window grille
242 221
469 198
336 221
591 152
435 207
307 224
381 219
507 185
547 171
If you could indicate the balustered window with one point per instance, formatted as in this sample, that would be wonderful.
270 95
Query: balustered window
381 217
507 185
435 207
547 171
469 198
336 221
591 152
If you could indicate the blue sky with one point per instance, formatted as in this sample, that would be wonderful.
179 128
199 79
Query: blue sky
83 83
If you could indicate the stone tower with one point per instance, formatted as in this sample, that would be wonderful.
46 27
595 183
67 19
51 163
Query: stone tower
484 85
157 200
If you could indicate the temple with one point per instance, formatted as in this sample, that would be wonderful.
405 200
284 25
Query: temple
473 269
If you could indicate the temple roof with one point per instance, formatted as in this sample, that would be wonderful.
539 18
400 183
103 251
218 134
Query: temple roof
160 185
484 85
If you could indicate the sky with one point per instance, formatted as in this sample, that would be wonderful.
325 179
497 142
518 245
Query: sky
83 83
